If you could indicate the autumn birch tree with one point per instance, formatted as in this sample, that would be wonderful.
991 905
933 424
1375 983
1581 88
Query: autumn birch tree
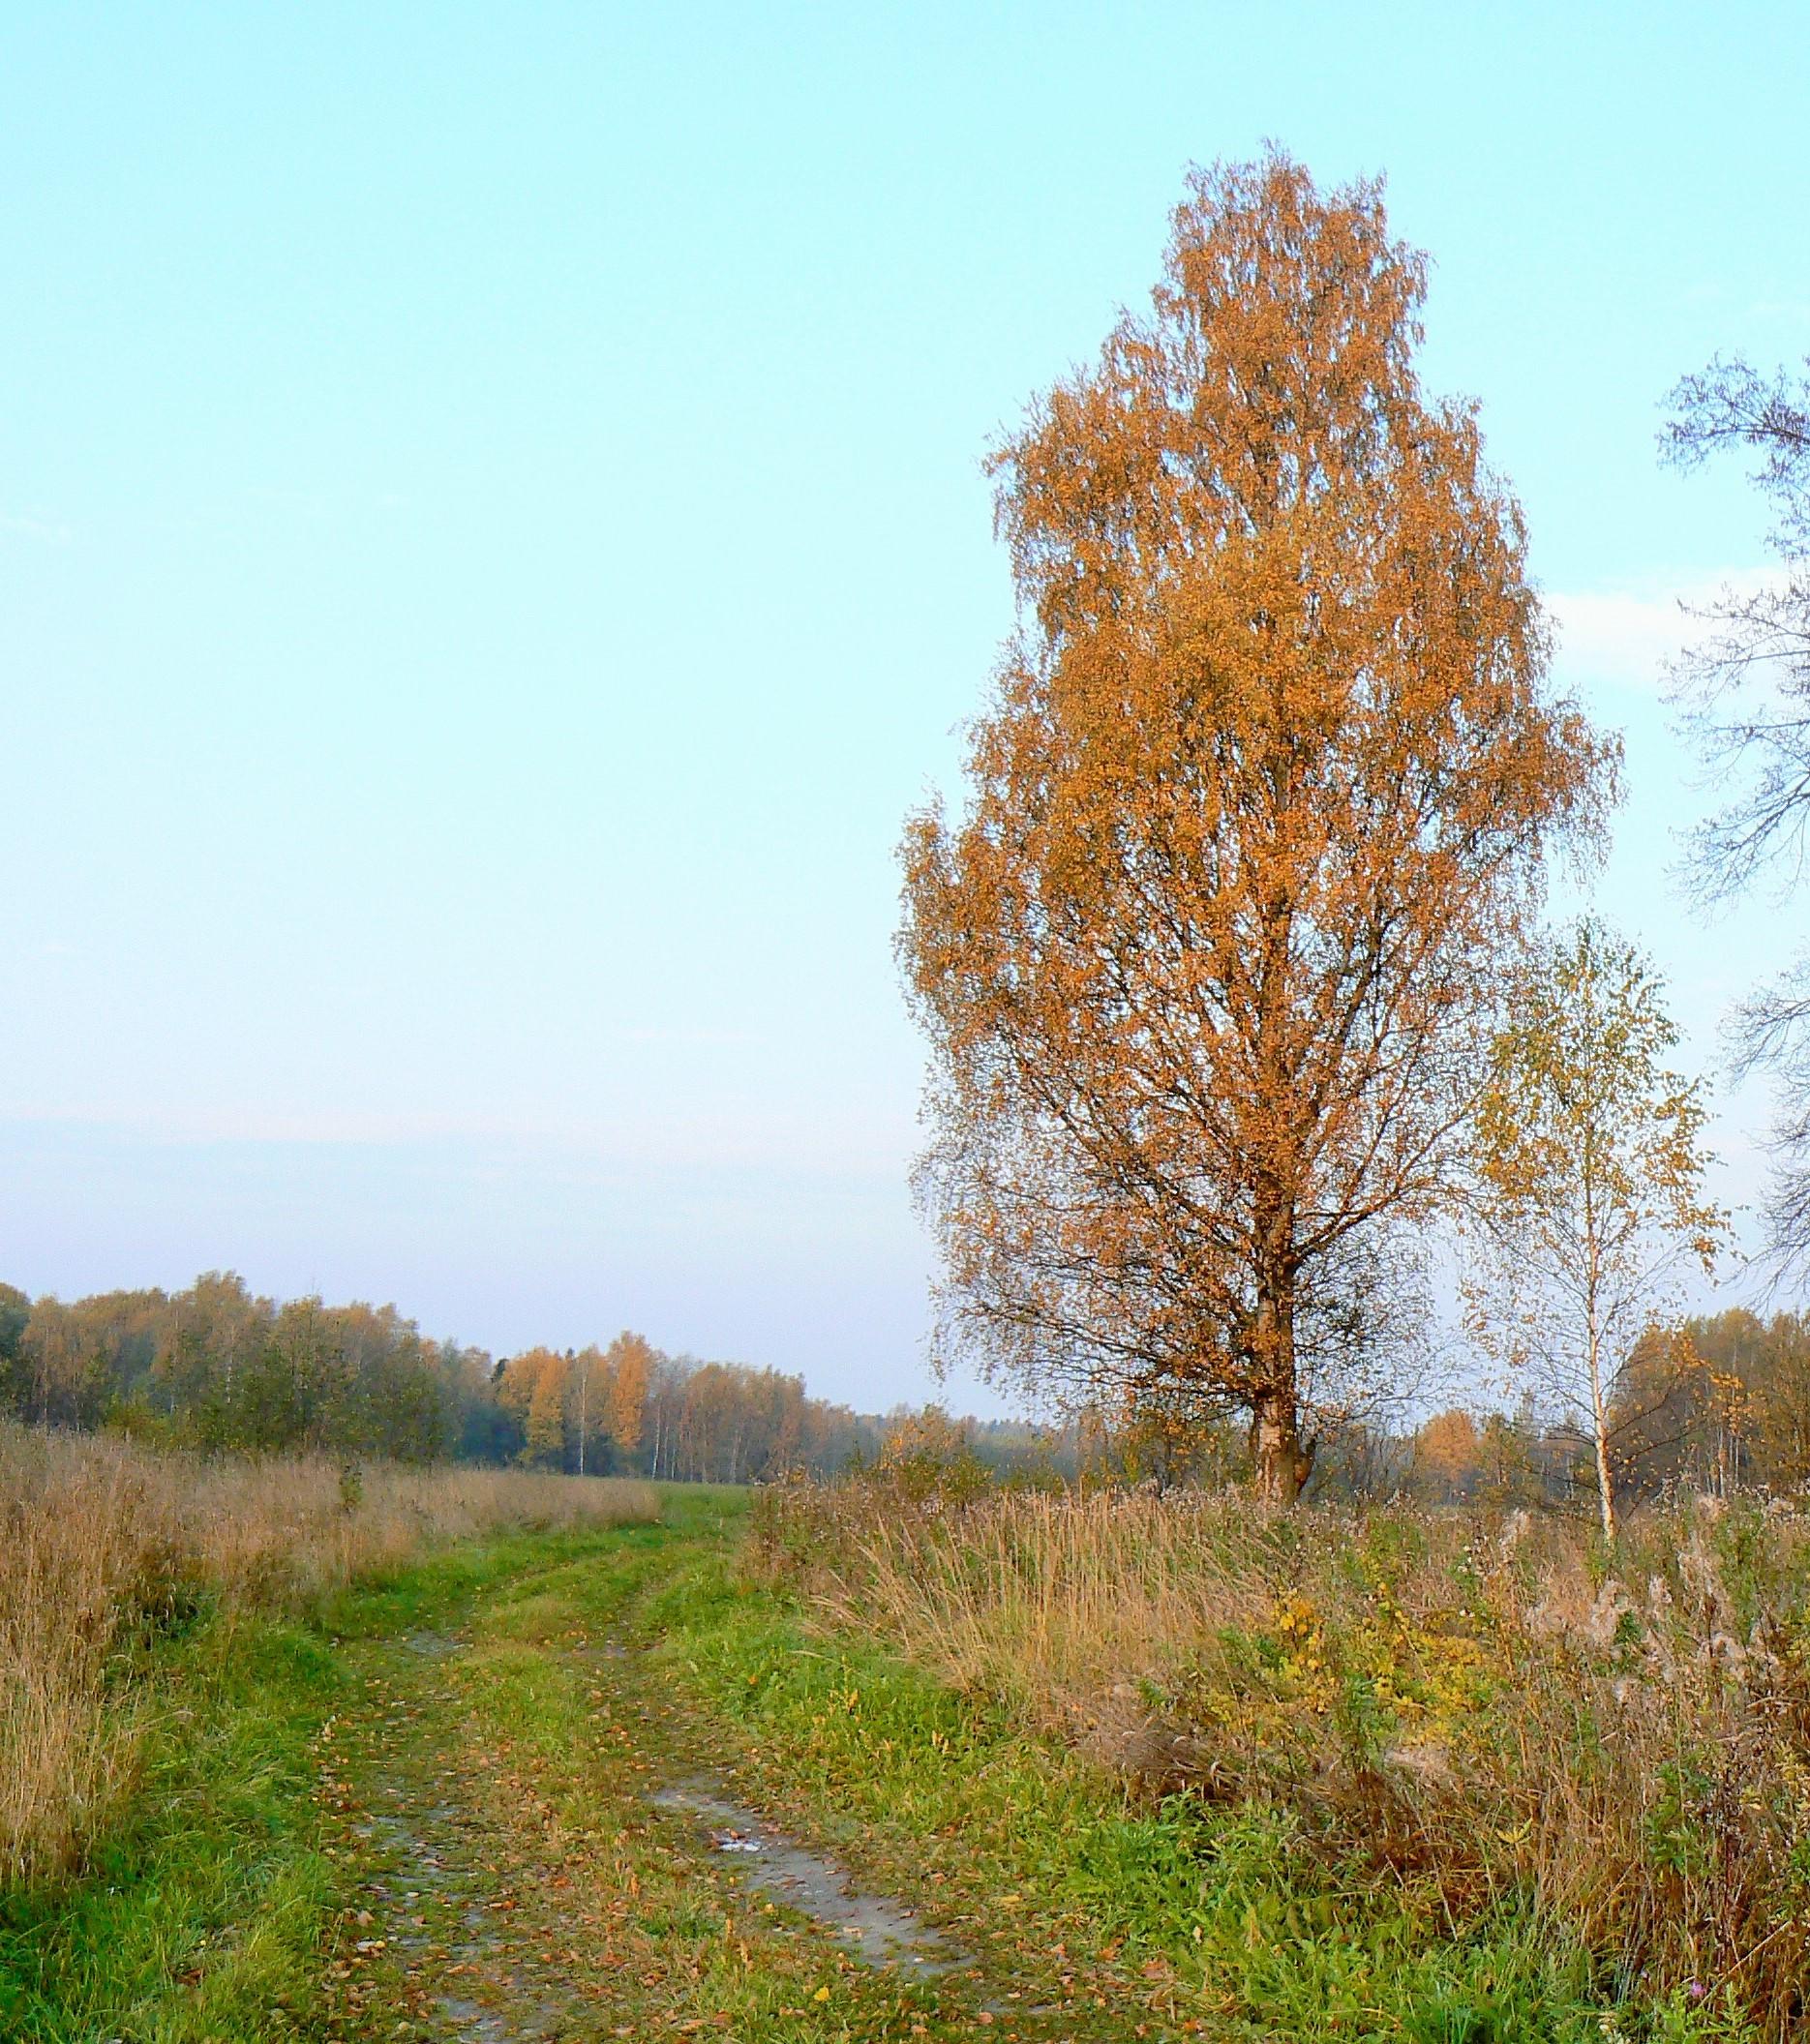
536 1386
1258 805
1590 1202
631 1362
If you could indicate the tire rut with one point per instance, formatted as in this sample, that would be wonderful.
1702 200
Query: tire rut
434 1949
489 1911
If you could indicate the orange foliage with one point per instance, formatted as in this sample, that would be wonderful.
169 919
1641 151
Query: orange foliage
1258 808
1450 1451
629 1361
534 1387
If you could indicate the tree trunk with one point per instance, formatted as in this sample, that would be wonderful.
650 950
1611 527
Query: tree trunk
1605 1476
1605 1486
1282 1465
1599 1413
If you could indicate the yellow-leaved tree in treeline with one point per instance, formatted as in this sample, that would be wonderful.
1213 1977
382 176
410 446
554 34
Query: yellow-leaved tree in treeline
534 1388
577 1406
629 1365
1256 811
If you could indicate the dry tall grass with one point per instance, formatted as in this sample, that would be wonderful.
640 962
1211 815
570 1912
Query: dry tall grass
1480 1707
103 1542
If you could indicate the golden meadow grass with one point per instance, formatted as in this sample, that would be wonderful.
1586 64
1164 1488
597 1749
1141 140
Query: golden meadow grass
1482 1710
103 1544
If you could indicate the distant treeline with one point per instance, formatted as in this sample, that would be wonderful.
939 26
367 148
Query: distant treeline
1719 1403
1716 1404
215 1367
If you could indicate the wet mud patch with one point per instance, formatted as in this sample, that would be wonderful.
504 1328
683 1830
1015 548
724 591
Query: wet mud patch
433 1646
872 1926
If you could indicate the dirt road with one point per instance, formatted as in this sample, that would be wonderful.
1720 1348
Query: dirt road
542 1847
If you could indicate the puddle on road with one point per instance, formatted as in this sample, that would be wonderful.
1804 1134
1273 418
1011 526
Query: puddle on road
431 1646
475 2022
874 1927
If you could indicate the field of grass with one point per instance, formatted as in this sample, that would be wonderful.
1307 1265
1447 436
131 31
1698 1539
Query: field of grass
1158 1768
1588 1770
113 1553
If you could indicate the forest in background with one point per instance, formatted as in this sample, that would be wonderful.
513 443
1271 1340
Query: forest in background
1719 1403
219 1369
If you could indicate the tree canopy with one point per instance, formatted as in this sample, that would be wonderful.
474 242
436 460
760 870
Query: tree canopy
1256 810
1590 1202
216 1367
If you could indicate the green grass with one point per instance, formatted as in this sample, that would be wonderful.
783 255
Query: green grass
1187 1912
620 1916
1220 1915
227 1908
200 1917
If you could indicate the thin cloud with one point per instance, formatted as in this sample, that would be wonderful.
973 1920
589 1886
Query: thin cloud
1632 635
25 524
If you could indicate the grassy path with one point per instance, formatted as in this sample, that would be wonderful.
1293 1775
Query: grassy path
482 1805
490 1788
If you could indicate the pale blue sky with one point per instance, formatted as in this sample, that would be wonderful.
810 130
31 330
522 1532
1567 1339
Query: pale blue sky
492 543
